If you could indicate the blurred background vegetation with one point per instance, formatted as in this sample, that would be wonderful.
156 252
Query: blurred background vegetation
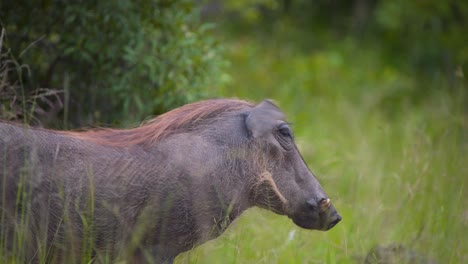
376 91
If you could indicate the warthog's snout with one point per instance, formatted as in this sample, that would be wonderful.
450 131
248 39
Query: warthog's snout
333 219
329 217
318 213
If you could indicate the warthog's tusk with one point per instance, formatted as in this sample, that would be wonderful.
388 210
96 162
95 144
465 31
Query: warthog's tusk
325 204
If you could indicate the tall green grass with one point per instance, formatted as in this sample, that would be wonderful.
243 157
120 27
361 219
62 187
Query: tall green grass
393 157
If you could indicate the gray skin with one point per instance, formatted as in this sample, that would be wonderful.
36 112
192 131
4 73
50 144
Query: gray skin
149 204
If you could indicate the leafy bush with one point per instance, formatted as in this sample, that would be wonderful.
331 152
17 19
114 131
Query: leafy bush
113 60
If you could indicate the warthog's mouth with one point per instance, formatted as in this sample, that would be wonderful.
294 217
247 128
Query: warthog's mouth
324 220
316 225
334 222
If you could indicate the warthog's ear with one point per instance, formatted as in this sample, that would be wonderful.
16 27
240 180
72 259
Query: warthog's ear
263 118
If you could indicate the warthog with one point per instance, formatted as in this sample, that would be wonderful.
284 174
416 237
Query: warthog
149 193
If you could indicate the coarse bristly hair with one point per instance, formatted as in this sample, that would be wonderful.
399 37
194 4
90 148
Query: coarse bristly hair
150 132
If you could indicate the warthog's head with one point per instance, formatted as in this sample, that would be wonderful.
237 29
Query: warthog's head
284 184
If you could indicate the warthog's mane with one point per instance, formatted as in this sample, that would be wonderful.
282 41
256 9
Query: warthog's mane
181 119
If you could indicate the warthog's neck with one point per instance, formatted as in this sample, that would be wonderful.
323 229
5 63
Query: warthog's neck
228 208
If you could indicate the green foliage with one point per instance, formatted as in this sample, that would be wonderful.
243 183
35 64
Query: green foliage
14 103
424 37
115 60
430 35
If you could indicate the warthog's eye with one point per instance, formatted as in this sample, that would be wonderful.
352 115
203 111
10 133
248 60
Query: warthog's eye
285 131
284 135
